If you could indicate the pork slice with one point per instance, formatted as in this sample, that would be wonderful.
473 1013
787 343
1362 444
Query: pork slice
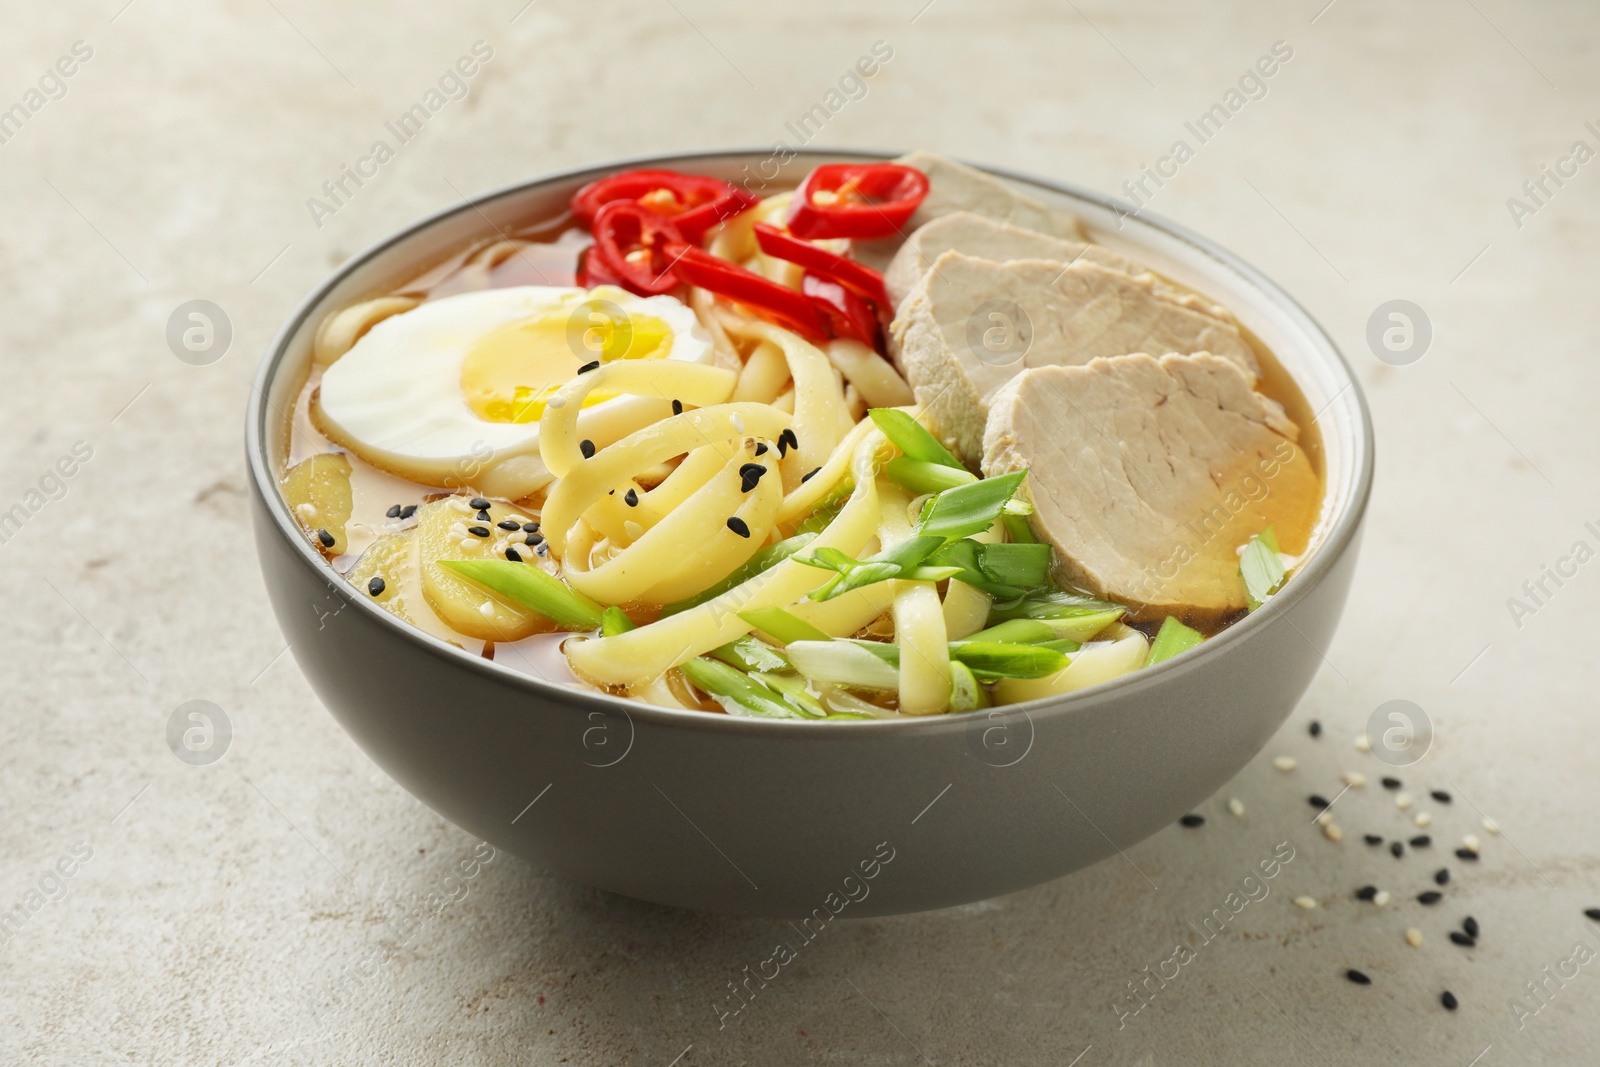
986 238
956 187
1147 475
971 325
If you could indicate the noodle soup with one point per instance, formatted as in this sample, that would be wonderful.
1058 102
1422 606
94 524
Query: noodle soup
742 455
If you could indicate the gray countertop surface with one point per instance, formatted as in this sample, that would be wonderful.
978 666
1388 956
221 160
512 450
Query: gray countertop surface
241 912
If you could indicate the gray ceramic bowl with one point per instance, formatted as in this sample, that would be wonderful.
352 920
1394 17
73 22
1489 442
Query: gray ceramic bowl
760 817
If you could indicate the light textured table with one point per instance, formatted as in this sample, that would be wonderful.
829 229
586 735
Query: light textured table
283 905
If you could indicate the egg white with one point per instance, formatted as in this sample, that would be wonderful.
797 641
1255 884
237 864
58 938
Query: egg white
395 397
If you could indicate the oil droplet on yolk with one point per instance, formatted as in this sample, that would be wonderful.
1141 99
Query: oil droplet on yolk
511 372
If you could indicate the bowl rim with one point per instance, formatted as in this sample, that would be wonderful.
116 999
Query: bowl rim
1338 538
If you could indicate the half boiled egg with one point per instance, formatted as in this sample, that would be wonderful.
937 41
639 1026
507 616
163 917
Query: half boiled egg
450 393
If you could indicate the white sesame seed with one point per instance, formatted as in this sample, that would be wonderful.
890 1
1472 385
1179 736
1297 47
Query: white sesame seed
1355 779
1414 937
486 609
1332 832
1305 903
1286 763
460 506
736 420
1323 818
1236 807
558 402
458 529
1490 825
1363 743
1423 818
1382 898
633 530
307 511
468 545
1402 801
1470 842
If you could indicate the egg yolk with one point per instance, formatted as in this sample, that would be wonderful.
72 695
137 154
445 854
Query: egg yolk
510 372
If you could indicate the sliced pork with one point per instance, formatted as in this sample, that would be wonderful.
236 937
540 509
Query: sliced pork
972 324
1148 474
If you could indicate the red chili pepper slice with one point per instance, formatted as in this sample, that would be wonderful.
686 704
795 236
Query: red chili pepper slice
693 202
592 272
629 241
863 200
857 277
776 303
846 313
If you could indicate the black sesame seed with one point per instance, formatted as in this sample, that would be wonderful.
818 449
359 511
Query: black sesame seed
482 516
586 446
536 538
408 511
1317 800
1315 728
530 527
593 364
543 550
1357 977
375 587
677 407
761 448
394 511
1391 783
478 531
1366 892
1448 999
1192 820
1421 841
1592 913
513 555
787 440
1459 938
326 538
751 474
738 526
631 498
509 524
1466 854
806 477
1441 876
1397 849
1441 796
1470 925
1432 896
1372 839
478 503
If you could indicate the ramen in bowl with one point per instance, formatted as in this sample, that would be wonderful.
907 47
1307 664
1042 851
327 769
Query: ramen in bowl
901 441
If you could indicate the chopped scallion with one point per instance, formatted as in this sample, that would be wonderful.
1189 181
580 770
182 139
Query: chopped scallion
532 588
969 509
966 692
1173 637
750 654
614 621
994 659
920 476
910 437
1261 567
844 663
1016 632
736 691
783 625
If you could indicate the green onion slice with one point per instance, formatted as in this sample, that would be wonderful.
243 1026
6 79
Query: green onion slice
532 588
